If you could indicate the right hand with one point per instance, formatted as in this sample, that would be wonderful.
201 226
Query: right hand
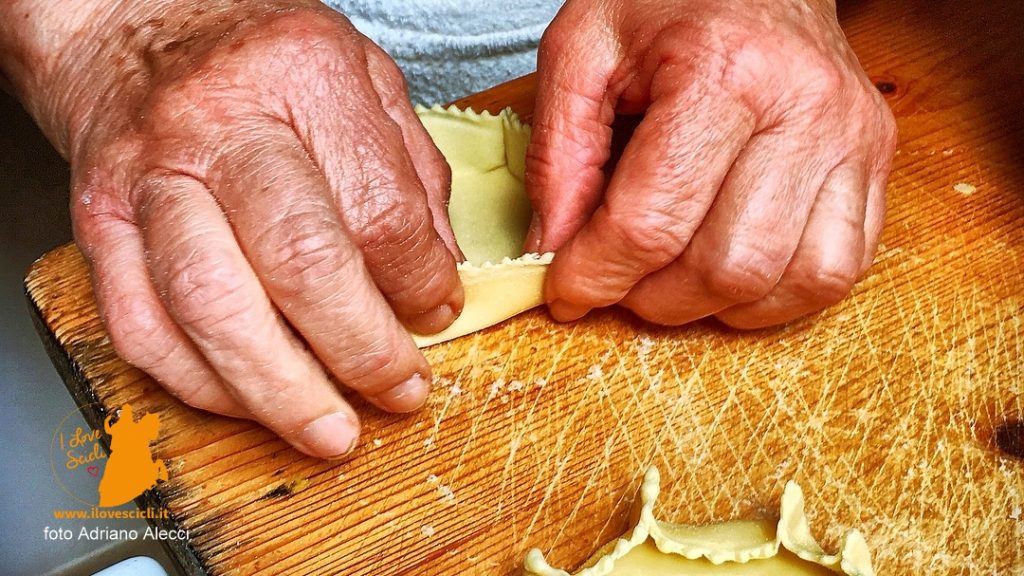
262 212
753 188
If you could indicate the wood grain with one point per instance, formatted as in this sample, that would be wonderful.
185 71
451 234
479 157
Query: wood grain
885 407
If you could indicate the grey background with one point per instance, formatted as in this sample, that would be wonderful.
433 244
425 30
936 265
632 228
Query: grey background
33 400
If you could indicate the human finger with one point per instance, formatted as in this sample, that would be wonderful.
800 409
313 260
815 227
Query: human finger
212 293
827 261
663 185
571 131
141 331
360 152
314 270
747 239
431 167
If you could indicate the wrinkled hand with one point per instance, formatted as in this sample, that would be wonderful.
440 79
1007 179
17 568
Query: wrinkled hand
752 190
262 212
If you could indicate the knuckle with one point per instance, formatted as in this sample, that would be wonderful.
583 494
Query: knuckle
553 43
395 93
294 42
204 291
305 25
416 275
188 105
571 38
592 291
824 282
97 195
824 82
309 252
372 375
394 233
182 100
412 268
746 272
137 333
370 363
92 210
583 143
743 65
783 74
878 116
444 170
647 235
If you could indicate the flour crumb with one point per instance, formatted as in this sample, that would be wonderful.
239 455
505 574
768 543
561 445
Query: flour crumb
427 530
377 442
428 443
1015 513
504 398
443 490
655 383
446 493
540 382
965 188
496 387
515 385
595 373
646 344
455 390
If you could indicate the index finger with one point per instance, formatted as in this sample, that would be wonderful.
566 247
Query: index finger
315 273
663 185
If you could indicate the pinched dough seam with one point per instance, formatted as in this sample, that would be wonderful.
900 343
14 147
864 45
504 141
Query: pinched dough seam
792 533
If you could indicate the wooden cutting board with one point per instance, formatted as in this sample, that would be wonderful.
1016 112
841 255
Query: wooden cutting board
889 408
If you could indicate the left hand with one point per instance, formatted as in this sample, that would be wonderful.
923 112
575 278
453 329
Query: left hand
752 190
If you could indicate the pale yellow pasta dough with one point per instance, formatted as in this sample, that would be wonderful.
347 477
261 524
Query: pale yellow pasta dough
490 214
735 548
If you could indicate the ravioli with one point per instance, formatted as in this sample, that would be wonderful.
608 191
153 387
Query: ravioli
738 547
490 215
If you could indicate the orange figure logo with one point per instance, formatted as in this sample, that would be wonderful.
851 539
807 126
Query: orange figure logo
131 470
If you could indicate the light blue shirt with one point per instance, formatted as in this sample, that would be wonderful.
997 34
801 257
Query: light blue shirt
451 48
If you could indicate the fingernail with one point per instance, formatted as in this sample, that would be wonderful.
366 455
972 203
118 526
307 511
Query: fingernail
433 320
533 235
330 436
566 311
407 396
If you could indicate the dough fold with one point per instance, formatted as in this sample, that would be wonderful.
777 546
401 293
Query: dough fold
734 547
490 214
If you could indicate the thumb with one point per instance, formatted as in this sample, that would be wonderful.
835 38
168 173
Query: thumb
571 129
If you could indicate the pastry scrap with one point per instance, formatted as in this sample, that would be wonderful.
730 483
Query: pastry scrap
490 214
736 547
